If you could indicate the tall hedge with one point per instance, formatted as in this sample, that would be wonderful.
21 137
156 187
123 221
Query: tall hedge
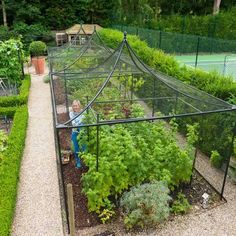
10 167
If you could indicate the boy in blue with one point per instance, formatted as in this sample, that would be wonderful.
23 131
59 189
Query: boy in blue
76 108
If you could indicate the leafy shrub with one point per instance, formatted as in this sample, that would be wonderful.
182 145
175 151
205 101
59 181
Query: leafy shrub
216 159
129 155
37 48
180 205
9 169
46 79
146 204
10 65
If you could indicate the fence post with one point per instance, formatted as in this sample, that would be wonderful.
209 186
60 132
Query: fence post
97 143
160 35
228 160
70 203
198 41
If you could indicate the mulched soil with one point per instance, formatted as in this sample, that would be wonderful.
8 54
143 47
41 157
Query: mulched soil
82 217
198 187
59 91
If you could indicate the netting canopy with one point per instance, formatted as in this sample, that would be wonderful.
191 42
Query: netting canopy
74 58
115 86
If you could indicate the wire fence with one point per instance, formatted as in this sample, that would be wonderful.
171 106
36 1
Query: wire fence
191 49
176 43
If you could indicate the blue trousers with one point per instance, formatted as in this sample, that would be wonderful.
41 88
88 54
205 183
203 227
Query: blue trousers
77 149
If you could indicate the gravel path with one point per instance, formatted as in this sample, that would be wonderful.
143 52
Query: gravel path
38 208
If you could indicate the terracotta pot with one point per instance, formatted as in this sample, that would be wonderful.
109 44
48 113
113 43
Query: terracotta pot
33 60
39 64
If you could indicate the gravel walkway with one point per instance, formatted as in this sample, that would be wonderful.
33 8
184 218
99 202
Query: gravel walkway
38 208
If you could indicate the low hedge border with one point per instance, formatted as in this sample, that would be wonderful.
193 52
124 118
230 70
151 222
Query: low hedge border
10 167
18 100
8 111
223 87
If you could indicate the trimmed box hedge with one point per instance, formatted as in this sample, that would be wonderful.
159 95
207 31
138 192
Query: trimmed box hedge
17 100
10 168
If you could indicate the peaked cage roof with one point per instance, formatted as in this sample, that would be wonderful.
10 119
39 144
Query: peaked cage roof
121 89
75 42
73 58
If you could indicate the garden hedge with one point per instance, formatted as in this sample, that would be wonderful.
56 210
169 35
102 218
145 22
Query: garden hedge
224 87
10 167
17 100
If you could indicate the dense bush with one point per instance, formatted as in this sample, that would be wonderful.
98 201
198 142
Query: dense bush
222 25
212 126
129 155
180 205
10 63
20 99
146 205
216 160
9 169
37 48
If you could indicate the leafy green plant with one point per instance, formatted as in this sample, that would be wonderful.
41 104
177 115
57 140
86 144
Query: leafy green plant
146 204
180 205
10 63
129 155
46 79
216 159
37 48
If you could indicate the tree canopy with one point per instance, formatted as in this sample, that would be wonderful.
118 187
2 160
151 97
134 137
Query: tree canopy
59 14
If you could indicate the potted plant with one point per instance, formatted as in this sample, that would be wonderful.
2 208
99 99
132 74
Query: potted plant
37 50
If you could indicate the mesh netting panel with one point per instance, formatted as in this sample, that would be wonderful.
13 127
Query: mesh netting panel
89 54
180 43
115 86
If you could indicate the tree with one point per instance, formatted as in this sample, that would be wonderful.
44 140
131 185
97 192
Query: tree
216 7
4 13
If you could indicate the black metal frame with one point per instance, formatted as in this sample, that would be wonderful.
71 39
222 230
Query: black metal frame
222 106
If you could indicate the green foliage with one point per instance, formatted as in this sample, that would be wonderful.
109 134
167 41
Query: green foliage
37 48
10 64
9 169
129 155
106 215
180 205
8 111
146 205
46 79
216 159
20 99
